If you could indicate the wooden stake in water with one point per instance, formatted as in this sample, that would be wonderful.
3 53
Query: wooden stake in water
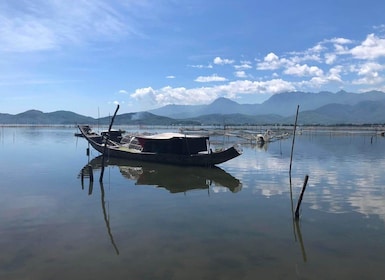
292 145
106 142
301 197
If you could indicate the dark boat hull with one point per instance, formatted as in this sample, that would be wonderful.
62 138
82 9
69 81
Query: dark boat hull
201 159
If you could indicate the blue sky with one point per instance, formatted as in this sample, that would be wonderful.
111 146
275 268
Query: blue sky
86 56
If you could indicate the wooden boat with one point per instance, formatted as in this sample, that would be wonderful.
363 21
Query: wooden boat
168 148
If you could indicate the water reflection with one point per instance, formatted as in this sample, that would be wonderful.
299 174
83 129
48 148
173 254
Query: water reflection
298 238
175 179
106 217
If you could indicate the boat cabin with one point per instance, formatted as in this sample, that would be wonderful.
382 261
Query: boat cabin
174 143
114 135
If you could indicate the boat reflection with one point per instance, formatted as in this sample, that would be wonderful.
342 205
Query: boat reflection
175 179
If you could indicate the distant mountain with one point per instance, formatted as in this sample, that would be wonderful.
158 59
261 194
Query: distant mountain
178 111
219 106
283 104
322 108
238 119
145 118
365 112
37 117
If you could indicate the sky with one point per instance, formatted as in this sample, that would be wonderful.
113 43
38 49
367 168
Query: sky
87 56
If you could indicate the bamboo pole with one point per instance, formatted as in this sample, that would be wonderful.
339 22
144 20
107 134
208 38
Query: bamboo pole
106 142
301 197
292 145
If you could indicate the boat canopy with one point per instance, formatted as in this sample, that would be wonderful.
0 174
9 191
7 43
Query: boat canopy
169 135
173 143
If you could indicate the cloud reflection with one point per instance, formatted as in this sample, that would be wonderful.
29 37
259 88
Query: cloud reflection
345 173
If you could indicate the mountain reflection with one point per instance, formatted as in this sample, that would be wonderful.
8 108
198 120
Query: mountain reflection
175 179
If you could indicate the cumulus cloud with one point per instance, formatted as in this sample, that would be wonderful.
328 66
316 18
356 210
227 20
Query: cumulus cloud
371 48
240 74
272 62
303 70
340 41
170 95
369 68
243 66
369 74
204 95
317 48
334 74
141 93
222 61
257 87
330 58
330 62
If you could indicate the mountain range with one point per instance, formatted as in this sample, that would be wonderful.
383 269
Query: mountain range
323 108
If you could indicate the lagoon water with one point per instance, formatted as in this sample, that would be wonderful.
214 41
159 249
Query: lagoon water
162 222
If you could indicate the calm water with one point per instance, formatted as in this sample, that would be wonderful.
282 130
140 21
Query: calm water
156 222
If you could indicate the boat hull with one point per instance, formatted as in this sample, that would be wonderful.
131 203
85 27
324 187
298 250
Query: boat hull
200 159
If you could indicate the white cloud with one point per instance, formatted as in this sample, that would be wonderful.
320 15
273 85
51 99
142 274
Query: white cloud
257 87
122 91
341 41
335 74
316 82
208 79
330 58
368 80
369 74
222 61
336 62
369 68
341 49
25 35
317 48
243 66
272 62
372 48
144 93
201 66
240 74
45 25
170 77
204 95
303 70
179 95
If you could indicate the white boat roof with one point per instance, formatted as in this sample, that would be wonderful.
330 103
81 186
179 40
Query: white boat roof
169 135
